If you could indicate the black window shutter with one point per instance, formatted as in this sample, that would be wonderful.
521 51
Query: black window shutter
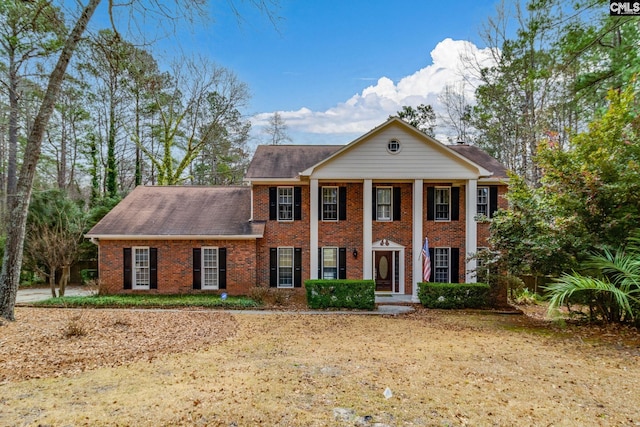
455 265
153 268
273 203
374 203
297 203
431 194
320 207
397 191
222 268
128 274
197 268
455 203
320 263
273 267
493 200
342 203
297 267
342 263
432 254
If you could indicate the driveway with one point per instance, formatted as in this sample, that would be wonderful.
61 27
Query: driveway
28 295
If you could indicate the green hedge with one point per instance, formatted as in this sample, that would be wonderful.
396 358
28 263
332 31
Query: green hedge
453 295
341 294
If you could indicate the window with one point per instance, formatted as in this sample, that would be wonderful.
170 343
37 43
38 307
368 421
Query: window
330 203
383 203
441 265
141 265
285 203
210 268
442 205
393 146
329 263
285 267
482 272
483 201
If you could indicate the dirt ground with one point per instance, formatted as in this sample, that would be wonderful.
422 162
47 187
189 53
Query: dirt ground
203 368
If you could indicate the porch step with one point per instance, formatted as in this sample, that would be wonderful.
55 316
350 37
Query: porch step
393 299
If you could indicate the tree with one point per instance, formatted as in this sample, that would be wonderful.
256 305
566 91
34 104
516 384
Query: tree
55 229
276 130
18 205
110 58
29 30
588 198
602 51
457 111
197 93
225 155
422 118
609 286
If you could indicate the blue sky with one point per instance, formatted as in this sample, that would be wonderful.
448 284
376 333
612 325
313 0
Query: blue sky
337 68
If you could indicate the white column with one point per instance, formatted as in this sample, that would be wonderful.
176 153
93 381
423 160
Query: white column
313 229
418 237
471 229
367 230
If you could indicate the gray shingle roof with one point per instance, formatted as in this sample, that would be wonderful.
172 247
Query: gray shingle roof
181 211
287 161
481 158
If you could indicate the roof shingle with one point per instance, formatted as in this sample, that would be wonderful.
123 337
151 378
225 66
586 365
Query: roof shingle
181 211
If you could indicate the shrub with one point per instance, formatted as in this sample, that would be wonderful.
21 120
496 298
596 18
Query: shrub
453 295
341 294
88 274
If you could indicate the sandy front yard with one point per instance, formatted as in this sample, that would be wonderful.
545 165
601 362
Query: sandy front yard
112 367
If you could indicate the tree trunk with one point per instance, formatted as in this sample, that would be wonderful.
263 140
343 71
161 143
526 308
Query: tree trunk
64 278
19 205
12 161
52 281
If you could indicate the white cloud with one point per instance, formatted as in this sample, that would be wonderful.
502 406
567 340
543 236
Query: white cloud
363 111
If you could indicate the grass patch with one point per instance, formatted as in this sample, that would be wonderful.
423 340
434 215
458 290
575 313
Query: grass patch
150 301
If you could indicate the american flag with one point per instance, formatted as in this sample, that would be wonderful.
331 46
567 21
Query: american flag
426 261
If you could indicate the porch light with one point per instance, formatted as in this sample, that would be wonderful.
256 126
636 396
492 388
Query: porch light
355 253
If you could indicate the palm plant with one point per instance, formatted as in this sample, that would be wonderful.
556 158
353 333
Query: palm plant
609 287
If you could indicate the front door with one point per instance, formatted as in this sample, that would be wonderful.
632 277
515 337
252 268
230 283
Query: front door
384 271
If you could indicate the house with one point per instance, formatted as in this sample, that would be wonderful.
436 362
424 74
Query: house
355 211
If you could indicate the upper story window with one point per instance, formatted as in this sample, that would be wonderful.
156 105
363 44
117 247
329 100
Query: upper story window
285 203
483 201
393 146
383 203
330 203
442 204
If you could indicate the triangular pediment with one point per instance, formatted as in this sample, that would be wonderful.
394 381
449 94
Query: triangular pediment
396 150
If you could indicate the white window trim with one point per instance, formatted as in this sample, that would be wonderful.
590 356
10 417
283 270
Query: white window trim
337 203
390 188
488 200
397 143
293 267
435 204
203 284
293 202
435 257
335 248
134 276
